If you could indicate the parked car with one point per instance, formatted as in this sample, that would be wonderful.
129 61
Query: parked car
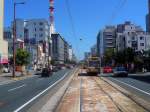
120 71
107 70
6 70
46 72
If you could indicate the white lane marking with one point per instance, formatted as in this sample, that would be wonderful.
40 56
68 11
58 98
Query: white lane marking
133 87
16 88
12 81
21 107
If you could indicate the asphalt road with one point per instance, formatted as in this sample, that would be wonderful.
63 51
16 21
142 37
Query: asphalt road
16 94
136 84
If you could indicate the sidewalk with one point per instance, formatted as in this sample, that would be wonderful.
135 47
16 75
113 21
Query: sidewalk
7 77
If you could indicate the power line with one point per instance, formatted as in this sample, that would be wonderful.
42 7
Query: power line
120 5
72 24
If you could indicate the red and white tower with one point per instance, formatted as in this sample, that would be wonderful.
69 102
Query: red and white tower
51 10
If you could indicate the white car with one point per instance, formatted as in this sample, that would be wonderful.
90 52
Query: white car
6 70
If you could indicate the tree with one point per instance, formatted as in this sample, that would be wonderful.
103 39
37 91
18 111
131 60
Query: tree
109 56
22 57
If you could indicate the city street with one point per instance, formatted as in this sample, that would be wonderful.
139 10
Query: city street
74 56
16 94
138 84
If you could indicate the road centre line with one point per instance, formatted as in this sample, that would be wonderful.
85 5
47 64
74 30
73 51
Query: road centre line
16 88
38 95
133 87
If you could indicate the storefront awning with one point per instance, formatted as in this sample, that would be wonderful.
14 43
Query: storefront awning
3 61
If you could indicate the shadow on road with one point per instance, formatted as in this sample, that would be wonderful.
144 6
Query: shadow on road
145 78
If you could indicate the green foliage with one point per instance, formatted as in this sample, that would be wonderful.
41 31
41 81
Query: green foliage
125 56
22 57
109 55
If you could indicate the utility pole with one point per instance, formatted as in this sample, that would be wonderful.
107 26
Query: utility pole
14 41
14 37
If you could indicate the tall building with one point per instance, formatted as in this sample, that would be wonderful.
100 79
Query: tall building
58 48
3 43
66 51
8 36
132 36
109 37
19 29
148 18
100 44
70 53
106 39
37 35
94 50
87 55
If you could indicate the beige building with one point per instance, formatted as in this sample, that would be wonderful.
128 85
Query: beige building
3 43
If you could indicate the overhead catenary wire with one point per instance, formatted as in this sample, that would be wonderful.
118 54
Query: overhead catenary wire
72 24
114 14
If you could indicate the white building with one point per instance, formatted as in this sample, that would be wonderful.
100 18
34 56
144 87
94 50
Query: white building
3 43
130 35
37 33
38 29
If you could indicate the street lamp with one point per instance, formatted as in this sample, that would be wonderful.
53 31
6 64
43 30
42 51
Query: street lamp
14 37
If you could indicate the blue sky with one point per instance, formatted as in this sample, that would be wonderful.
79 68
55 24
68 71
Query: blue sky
89 16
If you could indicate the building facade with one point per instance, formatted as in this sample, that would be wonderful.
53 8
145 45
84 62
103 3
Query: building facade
3 43
148 18
94 50
100 44
132 36
66 51
106 39
58 48
70 53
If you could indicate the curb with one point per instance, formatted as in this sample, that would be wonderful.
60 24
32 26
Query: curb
136 99
52 97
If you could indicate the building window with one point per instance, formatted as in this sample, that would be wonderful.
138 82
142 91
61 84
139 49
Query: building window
133 38
35 29
141 44
34 35
141 38
40 23
41 29
41 35
34 23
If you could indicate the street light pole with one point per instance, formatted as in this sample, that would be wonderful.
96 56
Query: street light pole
14 38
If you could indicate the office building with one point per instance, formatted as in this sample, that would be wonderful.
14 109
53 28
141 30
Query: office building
58 48
66 51
132 36
70 53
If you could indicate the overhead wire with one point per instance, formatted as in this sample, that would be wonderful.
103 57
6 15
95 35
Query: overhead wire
120 5
72 25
